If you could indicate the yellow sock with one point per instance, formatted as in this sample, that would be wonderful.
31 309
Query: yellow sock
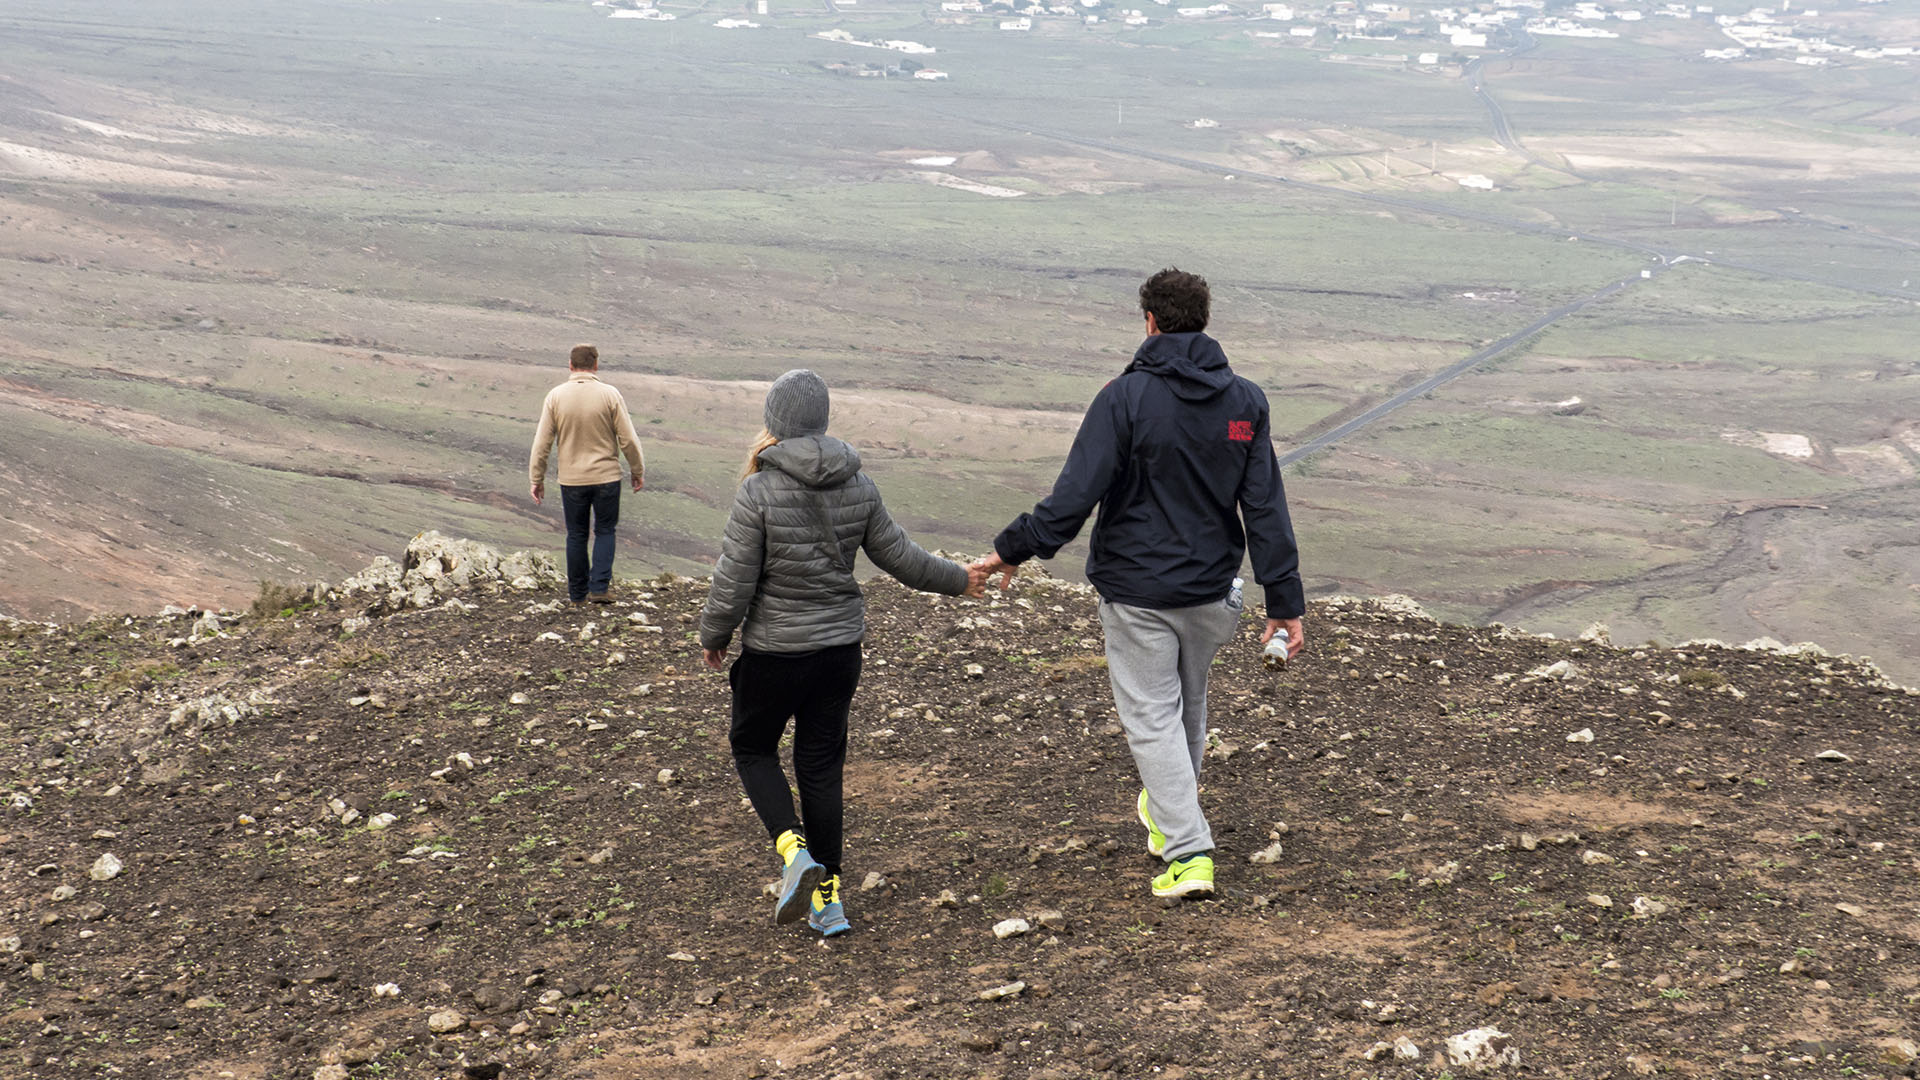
788 845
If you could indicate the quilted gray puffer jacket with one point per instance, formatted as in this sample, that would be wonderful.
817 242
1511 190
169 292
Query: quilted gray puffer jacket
779 574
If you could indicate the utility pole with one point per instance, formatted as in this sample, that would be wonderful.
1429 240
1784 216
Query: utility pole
1673 211
1119 113
1433 149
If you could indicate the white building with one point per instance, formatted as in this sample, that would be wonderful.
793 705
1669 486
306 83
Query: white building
1022 23
1476 182
1282 12
1303 31
1467 40
737 24
1429 58
930 75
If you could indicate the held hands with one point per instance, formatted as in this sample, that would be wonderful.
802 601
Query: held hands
1296 636
983 568
716 658
539 490
638 483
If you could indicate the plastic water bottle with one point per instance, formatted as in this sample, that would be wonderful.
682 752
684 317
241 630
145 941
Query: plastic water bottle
1275 654
1233 594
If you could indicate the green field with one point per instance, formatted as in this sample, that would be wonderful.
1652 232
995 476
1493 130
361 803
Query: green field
293 280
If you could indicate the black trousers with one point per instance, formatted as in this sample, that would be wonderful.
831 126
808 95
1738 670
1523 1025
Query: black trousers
814 690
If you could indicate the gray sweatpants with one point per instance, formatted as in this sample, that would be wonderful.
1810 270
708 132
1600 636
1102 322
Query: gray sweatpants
1157 662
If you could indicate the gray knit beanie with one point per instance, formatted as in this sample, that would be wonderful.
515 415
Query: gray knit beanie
797 405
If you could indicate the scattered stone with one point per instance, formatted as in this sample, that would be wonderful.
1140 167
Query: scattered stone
64 892
665 776
1600 900
1559 671
601 857
518 698
874 880
330 1072
975 671
706 995
1584 735
979 1041
1854 910
91 912
1268 855
105 868
1834 756
1055 921
10 944
1642 1064
1648 908
946 899
1378 1051
381 821
446 1020
1010 928
1529 842
1900 1053
1012 989
1597 858
683 957
203 1003
1481 1048
387 990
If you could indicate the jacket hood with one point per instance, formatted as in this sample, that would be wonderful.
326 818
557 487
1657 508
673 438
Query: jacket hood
819 461
1193 364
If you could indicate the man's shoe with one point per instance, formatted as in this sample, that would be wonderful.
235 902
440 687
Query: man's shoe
797 883
600 597
826 915
576 600
1186 877
1156 840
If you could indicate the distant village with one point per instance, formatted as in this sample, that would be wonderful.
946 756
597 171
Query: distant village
1784 32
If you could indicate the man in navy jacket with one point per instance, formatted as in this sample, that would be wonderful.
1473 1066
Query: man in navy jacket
1176 453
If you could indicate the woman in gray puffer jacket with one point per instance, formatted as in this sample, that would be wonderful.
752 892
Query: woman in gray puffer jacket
786 570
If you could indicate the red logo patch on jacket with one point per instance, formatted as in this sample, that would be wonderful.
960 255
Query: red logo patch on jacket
1240 430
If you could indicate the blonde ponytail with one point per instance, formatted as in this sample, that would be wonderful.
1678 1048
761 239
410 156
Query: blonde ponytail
761 442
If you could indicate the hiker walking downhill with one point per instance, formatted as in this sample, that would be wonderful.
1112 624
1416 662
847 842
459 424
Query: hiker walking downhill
588 420
1175 452
786 572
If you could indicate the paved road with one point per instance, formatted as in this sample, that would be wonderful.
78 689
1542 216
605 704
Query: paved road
1454 371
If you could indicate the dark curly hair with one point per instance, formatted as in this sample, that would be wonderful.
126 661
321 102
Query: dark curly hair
1178 301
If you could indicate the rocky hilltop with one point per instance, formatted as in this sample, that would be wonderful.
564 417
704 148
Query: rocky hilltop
434 823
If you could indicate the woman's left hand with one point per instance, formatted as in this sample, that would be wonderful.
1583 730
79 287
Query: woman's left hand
716 658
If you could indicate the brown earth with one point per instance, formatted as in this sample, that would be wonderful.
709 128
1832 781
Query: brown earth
586 915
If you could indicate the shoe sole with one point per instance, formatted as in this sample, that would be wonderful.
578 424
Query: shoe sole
1184 888
830 931
1152 848
795 904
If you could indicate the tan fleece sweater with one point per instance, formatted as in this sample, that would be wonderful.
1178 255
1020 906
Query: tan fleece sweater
589 421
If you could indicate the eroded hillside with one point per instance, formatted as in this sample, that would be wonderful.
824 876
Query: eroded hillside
363 837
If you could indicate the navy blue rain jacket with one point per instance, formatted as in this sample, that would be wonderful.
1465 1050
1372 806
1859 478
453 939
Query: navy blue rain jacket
1175 453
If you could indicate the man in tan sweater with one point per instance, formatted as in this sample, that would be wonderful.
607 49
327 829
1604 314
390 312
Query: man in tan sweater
589 420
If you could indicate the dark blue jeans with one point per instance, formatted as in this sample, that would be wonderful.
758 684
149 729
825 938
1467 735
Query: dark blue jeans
596 506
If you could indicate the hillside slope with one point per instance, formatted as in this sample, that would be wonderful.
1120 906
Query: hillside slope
570 886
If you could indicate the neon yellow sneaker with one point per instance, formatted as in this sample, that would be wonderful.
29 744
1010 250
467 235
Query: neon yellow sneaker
827 916
1156 840
1186 877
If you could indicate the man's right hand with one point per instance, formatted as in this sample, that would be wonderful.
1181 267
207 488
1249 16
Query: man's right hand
539 491
638 483
993 564
1296 636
